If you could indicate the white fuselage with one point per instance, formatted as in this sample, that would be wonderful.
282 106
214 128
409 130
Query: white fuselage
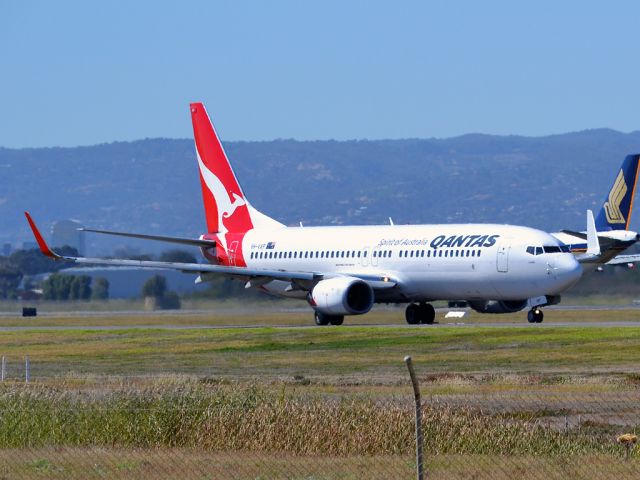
429 262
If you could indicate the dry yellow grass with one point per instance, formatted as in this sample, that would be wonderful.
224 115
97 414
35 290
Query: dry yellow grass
190 464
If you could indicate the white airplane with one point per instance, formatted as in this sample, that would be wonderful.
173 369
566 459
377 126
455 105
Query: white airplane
344 270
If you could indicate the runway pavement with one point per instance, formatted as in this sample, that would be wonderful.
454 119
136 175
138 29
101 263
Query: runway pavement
350 321
550 324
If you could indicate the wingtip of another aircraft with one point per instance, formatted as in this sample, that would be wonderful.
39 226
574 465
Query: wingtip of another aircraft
44 248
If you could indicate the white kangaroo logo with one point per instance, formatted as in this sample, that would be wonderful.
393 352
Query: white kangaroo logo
224 206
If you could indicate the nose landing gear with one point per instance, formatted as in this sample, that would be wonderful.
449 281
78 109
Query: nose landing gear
535 315
420 313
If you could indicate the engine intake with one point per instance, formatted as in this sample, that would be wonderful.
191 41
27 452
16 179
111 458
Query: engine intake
342 296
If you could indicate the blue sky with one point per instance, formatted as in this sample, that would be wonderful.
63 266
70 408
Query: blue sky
79 73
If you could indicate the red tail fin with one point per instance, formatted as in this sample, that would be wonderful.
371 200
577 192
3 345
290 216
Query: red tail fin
224 203
226 207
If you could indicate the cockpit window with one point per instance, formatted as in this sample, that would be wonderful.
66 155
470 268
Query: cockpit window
551 249
539 251
531 250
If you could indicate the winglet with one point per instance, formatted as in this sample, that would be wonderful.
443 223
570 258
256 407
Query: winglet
44 248
593 244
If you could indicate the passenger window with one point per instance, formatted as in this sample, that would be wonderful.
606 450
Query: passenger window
358 254
479 252
473 253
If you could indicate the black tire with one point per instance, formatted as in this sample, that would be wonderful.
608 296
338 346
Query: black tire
531 316
412 314
427 314
539 316
336 319
321 319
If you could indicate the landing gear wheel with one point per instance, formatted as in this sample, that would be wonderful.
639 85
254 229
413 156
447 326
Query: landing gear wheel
427 313
535 315
412 314
321 319
336 319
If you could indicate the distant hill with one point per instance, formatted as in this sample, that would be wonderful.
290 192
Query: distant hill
152 185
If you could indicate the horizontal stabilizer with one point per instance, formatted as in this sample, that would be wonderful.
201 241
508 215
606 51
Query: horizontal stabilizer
181 241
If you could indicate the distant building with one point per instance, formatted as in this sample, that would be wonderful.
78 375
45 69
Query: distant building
6 249
65 232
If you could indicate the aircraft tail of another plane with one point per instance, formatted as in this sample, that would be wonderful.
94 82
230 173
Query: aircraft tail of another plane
615 213
226 207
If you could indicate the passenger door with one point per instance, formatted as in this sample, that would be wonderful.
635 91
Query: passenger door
502 257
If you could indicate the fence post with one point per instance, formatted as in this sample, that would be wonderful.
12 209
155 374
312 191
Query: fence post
419 437
4 368
27 369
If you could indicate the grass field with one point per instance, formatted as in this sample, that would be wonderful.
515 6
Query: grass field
370 354
334 401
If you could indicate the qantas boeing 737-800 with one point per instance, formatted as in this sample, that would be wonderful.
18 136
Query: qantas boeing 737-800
344 270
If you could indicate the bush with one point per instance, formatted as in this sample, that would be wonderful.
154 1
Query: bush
170 301
156 295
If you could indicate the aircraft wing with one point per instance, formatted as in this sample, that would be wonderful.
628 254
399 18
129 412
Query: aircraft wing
620 259
307 279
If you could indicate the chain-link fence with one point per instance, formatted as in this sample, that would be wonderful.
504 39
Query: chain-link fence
226 431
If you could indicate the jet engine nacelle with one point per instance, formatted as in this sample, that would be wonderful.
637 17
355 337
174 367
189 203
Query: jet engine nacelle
498 306
342 296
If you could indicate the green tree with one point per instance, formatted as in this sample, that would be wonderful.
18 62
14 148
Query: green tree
156 287
10 278
100 290
80 288
57 287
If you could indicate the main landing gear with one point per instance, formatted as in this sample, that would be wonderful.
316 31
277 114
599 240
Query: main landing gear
535 315
324 319
420 313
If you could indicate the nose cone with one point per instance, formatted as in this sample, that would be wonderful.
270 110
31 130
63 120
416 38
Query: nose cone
567 271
